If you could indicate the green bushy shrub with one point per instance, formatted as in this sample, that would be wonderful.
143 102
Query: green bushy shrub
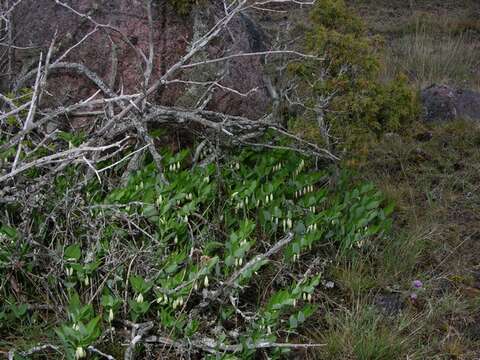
349 75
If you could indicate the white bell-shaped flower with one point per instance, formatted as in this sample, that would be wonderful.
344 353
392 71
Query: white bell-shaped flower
79 353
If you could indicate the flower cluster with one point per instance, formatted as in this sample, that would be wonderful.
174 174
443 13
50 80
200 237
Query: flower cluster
417 285
174 167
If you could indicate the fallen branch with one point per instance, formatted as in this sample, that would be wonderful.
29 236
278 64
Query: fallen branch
31 111
272 251
138 332
66 155
225 287
215 347
11 353
98 352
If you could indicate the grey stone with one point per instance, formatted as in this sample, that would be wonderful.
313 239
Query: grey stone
444 103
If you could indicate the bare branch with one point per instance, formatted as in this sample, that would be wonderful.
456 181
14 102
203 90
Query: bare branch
138 332
64 155
215 347
254 54
272 251
98 352
31 111
35 349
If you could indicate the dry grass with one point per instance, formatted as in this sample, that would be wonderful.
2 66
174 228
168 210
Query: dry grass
436 239
435 184
431 41
428 57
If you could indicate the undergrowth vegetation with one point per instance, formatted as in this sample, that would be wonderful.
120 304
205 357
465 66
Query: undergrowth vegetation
195 254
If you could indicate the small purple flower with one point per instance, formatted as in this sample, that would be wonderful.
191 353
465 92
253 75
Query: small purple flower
417 284
413 296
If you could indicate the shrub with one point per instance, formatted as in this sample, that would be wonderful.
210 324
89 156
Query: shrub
345 89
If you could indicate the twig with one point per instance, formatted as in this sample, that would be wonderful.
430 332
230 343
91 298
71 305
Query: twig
138 332
252 54
96 351
215 347
15 110
93 168
71 153
133 153
43 81
65 54
273 250
225 287
125 302
11 353
31 111
214 84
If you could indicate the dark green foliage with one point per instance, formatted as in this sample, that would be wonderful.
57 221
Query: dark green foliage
349 76
183 7
197 231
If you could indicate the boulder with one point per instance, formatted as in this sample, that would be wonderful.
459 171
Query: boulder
443 103
118 65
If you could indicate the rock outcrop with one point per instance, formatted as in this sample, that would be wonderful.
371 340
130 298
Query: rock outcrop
443 103
113 57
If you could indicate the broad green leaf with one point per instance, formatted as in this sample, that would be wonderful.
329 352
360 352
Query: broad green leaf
73 252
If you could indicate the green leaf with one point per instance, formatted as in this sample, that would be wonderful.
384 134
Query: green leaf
213 246
293 321
389 209
229 260
92 327
73 252
139 284
9 232
301 317
299 228
296 248
19 310
373 205
149 211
